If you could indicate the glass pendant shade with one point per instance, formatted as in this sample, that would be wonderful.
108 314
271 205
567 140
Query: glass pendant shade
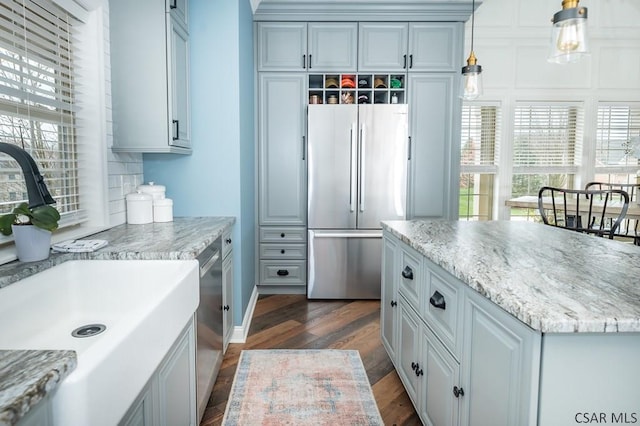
471 81
569 36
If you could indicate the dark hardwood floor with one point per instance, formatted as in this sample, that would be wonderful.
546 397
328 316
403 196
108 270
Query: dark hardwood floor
293 322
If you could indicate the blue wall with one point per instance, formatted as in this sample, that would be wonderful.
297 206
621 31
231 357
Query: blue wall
218 178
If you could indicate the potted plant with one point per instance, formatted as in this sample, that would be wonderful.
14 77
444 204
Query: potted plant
32 229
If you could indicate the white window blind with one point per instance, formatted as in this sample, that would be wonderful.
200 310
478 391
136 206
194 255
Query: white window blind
37 101
479 146
618 137
547 138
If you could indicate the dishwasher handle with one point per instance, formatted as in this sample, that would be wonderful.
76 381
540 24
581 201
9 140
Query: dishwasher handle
209 263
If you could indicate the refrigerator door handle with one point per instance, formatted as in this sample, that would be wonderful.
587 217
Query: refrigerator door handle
325 234
354 166
362 165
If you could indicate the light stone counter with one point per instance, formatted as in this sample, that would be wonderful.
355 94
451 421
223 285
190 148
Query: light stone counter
554 280
26 377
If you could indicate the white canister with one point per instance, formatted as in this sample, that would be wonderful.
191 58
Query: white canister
156 191
163 210
139 208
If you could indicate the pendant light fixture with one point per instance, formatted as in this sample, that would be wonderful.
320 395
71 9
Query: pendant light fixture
471 82
569 36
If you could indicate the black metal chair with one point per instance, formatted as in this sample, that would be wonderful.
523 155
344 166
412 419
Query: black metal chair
629 228
586 211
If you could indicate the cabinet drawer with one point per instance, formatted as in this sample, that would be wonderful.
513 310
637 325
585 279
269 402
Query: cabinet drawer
283 251
442 307
278 272
411 276
283 235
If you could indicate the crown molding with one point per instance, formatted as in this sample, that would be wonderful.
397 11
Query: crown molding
361 10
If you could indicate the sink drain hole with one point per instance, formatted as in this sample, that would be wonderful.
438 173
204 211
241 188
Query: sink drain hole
88 330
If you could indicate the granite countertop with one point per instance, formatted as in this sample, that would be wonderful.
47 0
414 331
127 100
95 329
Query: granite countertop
26 377
554 280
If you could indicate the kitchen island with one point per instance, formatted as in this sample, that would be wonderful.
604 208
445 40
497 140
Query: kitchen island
27 377
512 322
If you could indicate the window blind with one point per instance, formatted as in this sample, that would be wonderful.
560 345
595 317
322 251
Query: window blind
547 138
37 111
479 144
617 134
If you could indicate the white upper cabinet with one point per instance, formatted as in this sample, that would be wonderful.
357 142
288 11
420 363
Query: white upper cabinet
298 46
332 46
150 76
435 46
416 46
383 46
282 46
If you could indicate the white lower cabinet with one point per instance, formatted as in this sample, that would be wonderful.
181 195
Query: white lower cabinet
499 363
169 398
462 359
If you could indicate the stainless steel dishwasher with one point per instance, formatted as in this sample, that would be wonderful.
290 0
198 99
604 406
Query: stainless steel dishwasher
209 323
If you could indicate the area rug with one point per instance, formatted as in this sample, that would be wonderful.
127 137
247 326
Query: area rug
301 387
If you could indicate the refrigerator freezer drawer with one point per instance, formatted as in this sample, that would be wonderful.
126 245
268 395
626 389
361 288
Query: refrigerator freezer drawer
344 264
273 234
283 251
282 272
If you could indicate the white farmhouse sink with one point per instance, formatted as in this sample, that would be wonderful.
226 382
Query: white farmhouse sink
144 305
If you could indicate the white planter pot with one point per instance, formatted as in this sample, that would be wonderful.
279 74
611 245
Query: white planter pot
32 243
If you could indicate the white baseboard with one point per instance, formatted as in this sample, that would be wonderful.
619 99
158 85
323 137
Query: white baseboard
240 332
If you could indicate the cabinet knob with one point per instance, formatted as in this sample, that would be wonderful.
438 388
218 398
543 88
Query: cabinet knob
228 240
394 303
282 272
414 366
407 272
282 251
282 235
437 300
458 392
226 307
419 372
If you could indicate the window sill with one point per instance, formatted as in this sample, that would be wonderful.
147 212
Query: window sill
8 251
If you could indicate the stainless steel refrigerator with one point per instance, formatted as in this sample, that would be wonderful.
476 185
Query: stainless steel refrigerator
357 176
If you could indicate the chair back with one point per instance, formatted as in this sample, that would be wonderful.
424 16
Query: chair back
595 211
632 189
629 228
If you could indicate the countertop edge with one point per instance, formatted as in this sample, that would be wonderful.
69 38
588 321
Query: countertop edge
17 398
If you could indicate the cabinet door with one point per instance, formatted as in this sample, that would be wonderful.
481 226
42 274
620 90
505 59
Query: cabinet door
433 174
435 46
409 351
178 52
177 383
282 46
282 149
332 46
178 10
382 46
441 373
141 412
498 366
227 300
389 297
